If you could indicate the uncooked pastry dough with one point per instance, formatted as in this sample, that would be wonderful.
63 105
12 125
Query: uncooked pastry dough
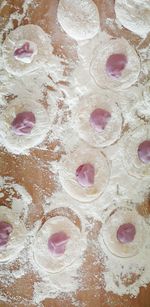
132 140
17 236
70 163
109 230
39 42
79 18
129 74
18 144
42 255
134 15
82 112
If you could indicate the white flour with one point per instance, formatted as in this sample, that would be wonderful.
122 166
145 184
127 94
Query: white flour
51 84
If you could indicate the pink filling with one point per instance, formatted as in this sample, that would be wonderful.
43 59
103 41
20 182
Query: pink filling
23 123
85 175
99 119
24 51
57 243
144 152
115 64
126 233
5 230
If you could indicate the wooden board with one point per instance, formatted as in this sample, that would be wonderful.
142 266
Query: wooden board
30 171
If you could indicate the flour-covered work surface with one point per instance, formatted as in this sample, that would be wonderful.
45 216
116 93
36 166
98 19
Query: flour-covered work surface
74 153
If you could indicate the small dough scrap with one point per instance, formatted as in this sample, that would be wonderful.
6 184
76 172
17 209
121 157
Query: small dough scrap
70 163
19 144
82 112
135 167
79 18
38 41
42 255
128 75
134 15
17 236
108 234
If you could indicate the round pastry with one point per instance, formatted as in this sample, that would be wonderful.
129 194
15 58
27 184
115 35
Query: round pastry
57 244
115 65
23 125
84 173
98 119
79 19
134 15
123 233
12 234
137 151
26 49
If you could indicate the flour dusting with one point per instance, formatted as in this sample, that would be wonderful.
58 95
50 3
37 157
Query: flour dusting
60 85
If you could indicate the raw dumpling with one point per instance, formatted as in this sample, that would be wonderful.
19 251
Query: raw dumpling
12 234
58 244
23 125
123 233
134 15
26 49
115 65
137 151
97 119
84 173
79 18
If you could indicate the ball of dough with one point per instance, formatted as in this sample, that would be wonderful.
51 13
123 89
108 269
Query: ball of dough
137 151
79 18
26 49
123 233
83 156
97 119
57 245
115 65
134 15
23 125
14 234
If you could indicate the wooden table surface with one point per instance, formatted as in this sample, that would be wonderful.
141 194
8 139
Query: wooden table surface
29 172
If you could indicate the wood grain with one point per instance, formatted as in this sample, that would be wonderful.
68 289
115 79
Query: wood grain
33 173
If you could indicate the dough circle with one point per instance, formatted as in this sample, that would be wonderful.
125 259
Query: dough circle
17 236
67 173
43 256
18 144
135 167
134 15
82 112
79 19
98 65
109 233
34 35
